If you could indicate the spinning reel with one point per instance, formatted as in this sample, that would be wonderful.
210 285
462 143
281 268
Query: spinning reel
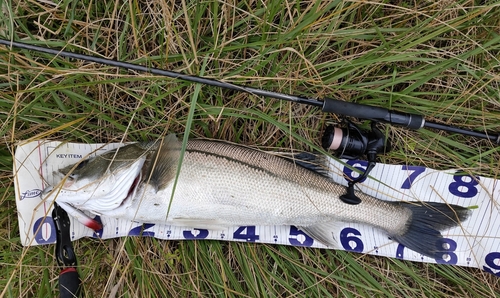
352 142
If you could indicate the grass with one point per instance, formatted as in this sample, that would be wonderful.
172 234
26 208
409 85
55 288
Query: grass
439 59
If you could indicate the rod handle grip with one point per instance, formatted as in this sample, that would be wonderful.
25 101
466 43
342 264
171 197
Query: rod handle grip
379 114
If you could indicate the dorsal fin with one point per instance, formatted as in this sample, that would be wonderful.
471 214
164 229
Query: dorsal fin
311 161
162 164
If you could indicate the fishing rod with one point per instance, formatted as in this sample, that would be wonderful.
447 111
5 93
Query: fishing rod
327 105
348 142
351 141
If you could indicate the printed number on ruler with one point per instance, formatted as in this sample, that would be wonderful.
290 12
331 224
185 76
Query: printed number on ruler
357 164
44 230
142 230
400 252
351 243
362 164
98 233
195 234
464 186
445 255
492 263
446 252
246 233
416 171
299 238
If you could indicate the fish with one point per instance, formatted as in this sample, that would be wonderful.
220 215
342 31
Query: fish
219 184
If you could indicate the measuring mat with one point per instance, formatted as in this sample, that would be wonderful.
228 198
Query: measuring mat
474 243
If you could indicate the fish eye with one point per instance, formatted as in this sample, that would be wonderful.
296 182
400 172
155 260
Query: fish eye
82 164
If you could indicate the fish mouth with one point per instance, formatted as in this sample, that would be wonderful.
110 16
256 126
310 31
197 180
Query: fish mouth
92 223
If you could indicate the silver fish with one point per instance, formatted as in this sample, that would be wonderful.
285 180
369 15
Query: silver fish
221 184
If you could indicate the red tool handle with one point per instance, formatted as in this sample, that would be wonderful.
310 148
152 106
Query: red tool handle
69 283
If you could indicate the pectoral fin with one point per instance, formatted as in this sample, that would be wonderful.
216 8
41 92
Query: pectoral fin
324 232
162 165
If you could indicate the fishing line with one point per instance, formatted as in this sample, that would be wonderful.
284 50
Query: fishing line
328 105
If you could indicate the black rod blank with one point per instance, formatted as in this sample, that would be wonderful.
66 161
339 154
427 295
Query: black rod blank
161 72
412 121
492 137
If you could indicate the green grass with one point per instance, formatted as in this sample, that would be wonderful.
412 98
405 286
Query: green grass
436 58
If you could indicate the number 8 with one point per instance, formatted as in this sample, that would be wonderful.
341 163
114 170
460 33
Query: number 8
457 187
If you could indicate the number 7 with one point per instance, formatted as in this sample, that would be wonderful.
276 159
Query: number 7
416 171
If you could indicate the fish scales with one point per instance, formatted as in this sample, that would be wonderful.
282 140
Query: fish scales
222 184
279 190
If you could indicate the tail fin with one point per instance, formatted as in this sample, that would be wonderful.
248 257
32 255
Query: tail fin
423 232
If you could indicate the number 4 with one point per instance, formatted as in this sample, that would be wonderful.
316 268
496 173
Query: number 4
246 233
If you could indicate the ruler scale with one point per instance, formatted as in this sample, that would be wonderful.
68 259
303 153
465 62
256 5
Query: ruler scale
475 243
